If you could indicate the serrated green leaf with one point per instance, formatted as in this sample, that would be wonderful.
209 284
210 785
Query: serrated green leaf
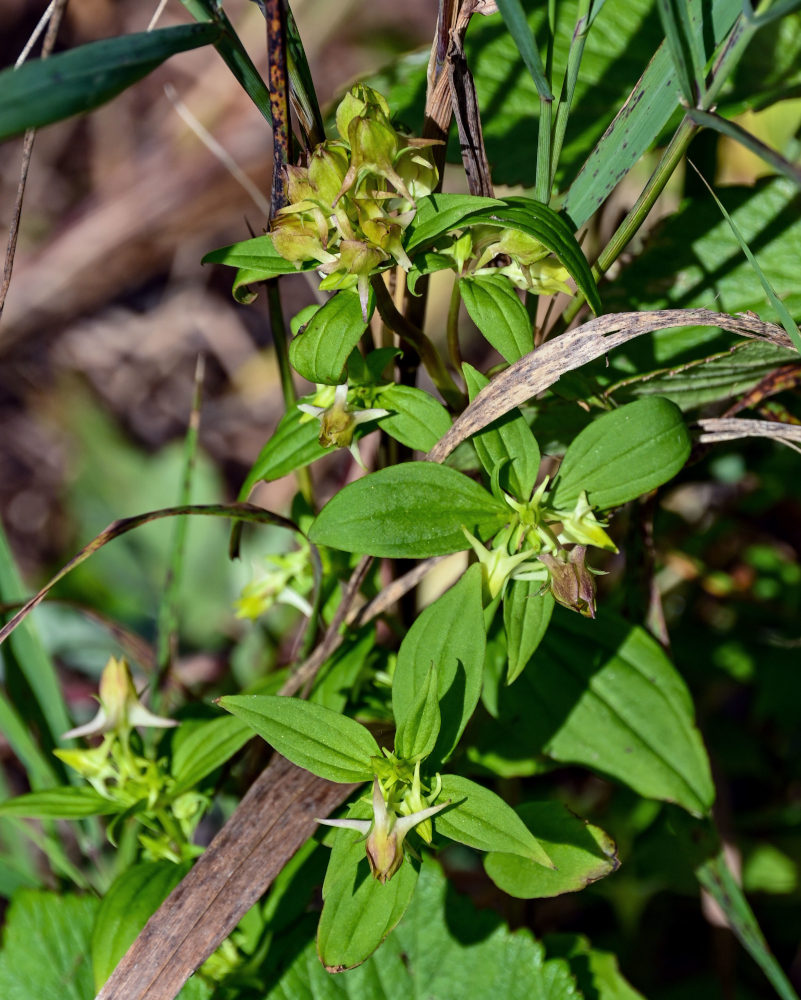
450 634
42 91
328 744
413 510
439 213
481 819
416 418
443 948
358 911
597 972
581 853
125 909
417 731
321 351
46 947
500 316
294 444
506 442
623 454
60 803
526 616
207 746
604 694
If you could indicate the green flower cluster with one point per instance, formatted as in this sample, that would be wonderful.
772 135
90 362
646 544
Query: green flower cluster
523 259
349 207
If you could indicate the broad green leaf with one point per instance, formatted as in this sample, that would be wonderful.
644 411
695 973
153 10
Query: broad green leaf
449 634
207 746
581 854
416 419
42 91
481 819
556 233
321 351
506 442
60 803
443 949
674 271
328 744
417 731
358 911
426 262
412 510
125 909
597 972
623 454
604 694
526 616
294 444
439 213
493 305
46 947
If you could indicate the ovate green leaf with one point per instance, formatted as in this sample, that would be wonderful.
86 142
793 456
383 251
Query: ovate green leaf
417 732
321 351
506 442
416 419
526 616
326 743
443 948
412 510
481 819
294 444
500 316
358 911
438 213
450 634
207 746
623 454
604 694
581 853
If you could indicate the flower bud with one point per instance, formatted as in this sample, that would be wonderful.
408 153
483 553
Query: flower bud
572 584
297 240
327 168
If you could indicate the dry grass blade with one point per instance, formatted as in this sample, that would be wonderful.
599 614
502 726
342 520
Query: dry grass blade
538 370
272 821
717 429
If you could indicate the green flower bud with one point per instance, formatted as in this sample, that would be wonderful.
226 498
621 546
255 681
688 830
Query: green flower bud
327 168
386 233
298 239
359 101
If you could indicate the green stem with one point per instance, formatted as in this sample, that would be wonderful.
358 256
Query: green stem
454 351
280 339
418 340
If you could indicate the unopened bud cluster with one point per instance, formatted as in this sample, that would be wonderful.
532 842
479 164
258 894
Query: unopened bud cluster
349 207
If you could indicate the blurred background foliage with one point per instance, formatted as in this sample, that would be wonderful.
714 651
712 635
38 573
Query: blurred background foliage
109 309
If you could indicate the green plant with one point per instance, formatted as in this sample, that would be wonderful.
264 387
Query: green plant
543 463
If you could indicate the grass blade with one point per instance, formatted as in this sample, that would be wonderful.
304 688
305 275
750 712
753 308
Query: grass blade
42 91
734 131
515 19
787 321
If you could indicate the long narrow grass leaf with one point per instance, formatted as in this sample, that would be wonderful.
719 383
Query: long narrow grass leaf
787 321
42 91
679 50
515 20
